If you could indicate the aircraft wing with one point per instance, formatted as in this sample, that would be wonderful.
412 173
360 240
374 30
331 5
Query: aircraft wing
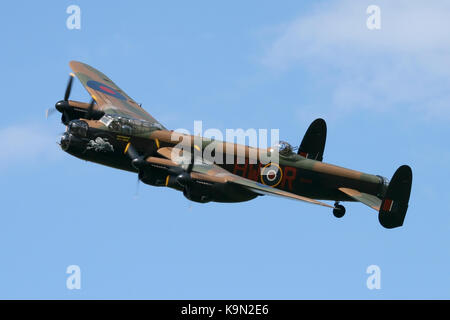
166 163
367 199
214 173
108 96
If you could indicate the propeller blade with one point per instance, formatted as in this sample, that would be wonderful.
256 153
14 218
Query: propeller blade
191 164
65 117
68 88
136 195
90 109
49 112
137 161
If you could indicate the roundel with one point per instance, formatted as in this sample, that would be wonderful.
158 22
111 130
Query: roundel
271 174
103 88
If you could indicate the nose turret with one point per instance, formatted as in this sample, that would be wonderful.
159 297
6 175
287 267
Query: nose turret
74 137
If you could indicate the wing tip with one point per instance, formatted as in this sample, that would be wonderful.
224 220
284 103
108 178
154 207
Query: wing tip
73 64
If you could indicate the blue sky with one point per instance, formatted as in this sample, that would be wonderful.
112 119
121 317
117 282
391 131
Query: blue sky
258 64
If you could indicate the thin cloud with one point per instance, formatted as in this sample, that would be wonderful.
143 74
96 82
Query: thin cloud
406 63
26 144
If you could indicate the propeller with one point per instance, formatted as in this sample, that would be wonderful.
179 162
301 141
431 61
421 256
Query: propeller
62 105
184 177
68 88
137 161
90 109
49 112
136 195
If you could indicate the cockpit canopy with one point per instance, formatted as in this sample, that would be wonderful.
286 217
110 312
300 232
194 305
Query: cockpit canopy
129 126
284 148
78 128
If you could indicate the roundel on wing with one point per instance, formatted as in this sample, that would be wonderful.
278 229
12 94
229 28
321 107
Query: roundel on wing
271 174
103 88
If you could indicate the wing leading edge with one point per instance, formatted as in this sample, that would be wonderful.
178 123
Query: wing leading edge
108 96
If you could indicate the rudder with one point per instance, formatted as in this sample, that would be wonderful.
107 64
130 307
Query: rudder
395 203
313 143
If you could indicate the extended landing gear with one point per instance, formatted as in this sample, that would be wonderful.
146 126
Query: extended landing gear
339 210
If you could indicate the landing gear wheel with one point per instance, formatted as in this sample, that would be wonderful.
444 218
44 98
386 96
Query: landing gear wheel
339 210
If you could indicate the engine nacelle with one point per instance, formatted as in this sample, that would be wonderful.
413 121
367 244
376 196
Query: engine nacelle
198 193
195 190
153 176
202 192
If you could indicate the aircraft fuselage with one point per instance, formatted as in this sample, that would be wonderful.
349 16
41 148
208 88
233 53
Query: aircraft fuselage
298 175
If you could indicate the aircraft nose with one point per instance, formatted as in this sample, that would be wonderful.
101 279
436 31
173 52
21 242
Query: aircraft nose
65 141
71 143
